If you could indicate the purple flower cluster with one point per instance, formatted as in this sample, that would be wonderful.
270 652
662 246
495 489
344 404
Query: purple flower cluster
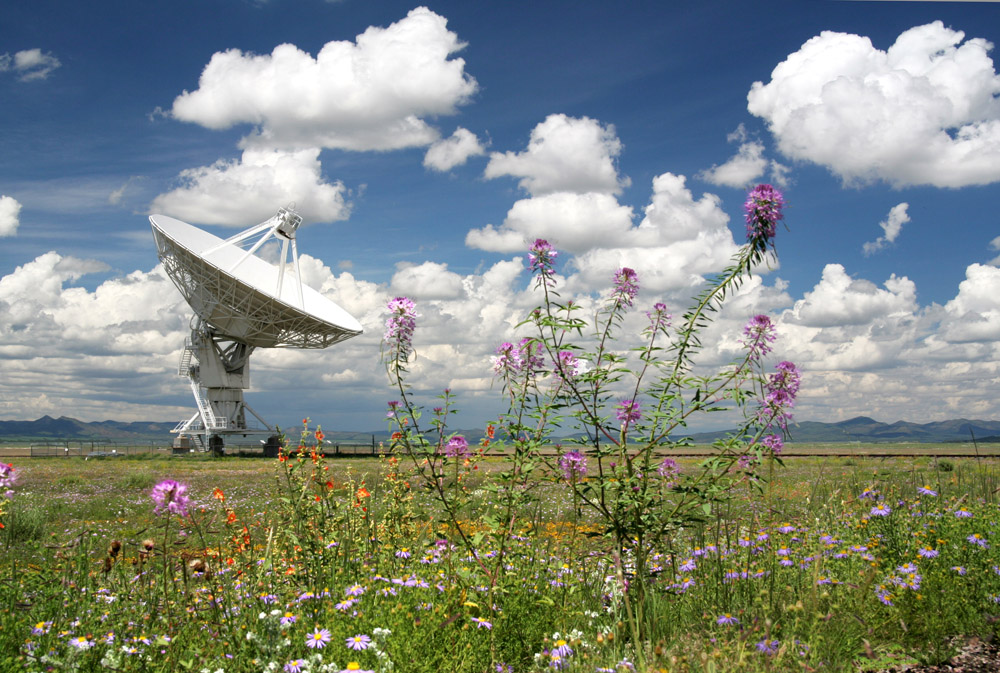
758 334
525 357
763 212
507 360
626 286
781 389
669 470
170 496
457 447
568 366
573 465
541 258
627 412
773 443
400 325
659 319
8 475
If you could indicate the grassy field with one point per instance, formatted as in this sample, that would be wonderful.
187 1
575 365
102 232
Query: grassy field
839 564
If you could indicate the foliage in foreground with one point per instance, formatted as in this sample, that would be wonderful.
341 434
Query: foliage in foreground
344 574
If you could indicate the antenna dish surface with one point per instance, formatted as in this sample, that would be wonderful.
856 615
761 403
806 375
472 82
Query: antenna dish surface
242 296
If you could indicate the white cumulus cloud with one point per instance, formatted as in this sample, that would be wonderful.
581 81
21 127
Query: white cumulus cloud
247 191
30 64
10 215
839 300
891 226
574 222
742 169
453 151
429 280
923 112
370 94
974 314
564 154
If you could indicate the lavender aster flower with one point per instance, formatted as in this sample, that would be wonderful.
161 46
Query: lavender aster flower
978 540
359 642
295 666
727 619
562 648
758 334
573 465
353 666
318 639
171 496
927 490
763 212
768 646
927 552
881 510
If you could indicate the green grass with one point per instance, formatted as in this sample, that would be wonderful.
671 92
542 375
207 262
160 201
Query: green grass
211 590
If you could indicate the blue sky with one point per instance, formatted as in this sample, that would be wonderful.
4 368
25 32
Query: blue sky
573 118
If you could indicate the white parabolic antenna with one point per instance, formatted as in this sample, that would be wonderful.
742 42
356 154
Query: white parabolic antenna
241 302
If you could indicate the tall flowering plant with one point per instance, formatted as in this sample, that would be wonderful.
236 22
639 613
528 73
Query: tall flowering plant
630 409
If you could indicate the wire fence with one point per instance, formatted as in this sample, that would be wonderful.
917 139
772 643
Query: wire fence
71 448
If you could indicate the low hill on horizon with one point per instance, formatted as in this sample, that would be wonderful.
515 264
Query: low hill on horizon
868 430
858 429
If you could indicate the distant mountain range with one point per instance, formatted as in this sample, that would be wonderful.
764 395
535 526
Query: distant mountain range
868 430
860 429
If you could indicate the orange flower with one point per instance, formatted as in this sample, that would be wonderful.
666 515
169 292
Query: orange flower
396 436
490 431
363 493
219 495
230 516
319 435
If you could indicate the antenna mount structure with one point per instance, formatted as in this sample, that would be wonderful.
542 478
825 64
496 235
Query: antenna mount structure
241 303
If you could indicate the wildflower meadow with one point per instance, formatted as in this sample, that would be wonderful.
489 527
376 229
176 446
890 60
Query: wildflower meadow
573 537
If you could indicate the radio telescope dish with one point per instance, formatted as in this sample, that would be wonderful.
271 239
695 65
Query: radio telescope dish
241 302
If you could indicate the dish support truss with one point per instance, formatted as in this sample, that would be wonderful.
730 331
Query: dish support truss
218 370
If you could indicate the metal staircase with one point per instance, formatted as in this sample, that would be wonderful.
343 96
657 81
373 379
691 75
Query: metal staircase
184 368
211 422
